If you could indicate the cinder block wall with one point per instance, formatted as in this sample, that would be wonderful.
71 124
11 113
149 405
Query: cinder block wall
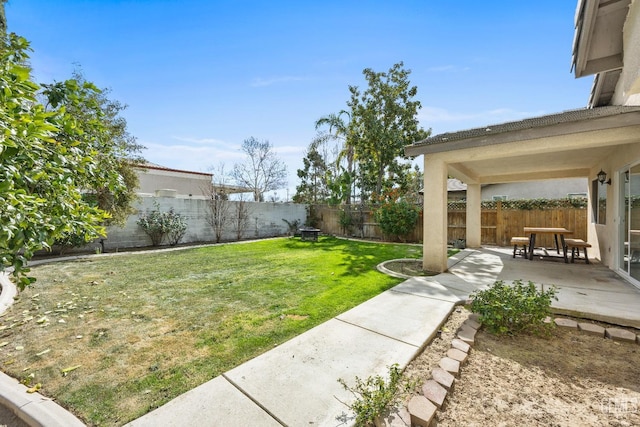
266 220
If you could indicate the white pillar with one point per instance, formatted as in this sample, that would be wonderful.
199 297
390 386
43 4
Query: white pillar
474 216
434 246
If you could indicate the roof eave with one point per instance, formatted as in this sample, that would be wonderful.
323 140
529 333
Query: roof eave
629 117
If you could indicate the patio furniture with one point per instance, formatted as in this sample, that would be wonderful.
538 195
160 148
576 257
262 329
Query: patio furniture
520 241
310 234
556 231
575 245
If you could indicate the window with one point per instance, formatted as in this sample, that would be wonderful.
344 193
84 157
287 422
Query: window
499 198
599 202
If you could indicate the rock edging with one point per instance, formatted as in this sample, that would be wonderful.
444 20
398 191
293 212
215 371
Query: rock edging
421 409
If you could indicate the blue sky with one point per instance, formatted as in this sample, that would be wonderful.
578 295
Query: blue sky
199 77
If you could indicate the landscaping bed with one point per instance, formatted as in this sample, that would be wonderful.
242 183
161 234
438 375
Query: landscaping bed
569 378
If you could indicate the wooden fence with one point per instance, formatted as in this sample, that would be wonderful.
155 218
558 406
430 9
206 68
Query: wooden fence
498 224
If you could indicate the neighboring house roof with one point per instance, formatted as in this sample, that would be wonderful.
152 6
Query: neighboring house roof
487 134
453 184
149 165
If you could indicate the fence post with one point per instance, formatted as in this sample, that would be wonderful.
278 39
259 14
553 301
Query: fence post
500 237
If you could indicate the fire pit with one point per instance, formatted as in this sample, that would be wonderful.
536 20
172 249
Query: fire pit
308 233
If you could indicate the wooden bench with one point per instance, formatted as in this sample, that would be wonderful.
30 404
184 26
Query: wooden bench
520 241
575 245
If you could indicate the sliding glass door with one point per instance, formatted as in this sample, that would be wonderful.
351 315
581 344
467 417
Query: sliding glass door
630 222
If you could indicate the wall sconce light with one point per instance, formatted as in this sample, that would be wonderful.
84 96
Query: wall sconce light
602 178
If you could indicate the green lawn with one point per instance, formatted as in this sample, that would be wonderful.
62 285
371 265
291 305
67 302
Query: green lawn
142 328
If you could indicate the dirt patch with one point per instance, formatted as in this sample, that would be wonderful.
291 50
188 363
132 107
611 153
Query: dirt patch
568 379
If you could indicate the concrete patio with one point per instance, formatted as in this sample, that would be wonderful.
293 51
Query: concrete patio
584 290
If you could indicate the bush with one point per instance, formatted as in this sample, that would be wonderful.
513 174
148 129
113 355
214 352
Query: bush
513 309
176 227
69 240
159 224
397 219
374 397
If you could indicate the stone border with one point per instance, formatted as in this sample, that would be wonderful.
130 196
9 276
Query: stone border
383 269
421 409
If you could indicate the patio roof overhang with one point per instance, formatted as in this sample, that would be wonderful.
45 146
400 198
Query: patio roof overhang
562 145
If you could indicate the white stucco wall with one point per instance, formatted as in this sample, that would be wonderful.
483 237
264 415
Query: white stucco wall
185 183
605 238
547 189
628 89
266 220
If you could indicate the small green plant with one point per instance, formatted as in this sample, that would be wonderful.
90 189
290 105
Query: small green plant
375 396
513 309
293 226
346 220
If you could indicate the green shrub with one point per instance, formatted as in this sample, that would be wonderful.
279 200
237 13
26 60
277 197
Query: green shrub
397 219
374 397
176 227
159 224
69 240
513 309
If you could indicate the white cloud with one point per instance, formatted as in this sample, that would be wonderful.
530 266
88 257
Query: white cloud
197 158
290 150
443 120
199 140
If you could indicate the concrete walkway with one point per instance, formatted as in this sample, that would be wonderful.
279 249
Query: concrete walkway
296 383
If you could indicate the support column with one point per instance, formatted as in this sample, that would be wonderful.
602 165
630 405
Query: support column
434 246
474 216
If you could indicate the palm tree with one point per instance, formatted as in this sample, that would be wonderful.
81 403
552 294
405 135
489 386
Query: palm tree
340 130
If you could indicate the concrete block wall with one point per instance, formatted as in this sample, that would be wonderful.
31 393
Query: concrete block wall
266 220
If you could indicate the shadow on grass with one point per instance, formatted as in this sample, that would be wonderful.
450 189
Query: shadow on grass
359 256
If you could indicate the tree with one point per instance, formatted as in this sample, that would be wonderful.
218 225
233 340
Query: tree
105 137
3 18
240 218
218 210
383 121
343 172
315 175
262 171
45 164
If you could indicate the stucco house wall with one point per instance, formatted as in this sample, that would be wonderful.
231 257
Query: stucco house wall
547 189
628 88
185 183
607 235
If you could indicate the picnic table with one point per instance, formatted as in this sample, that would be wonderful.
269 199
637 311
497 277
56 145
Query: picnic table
558 234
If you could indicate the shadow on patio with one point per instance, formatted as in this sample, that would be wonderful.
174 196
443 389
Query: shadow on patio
589 291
